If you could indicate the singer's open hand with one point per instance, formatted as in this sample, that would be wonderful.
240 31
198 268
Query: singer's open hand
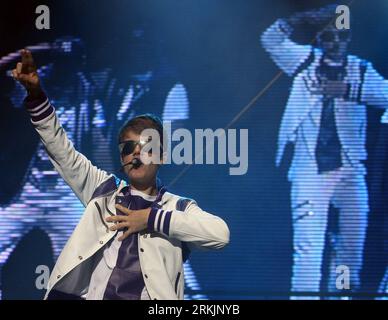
134 221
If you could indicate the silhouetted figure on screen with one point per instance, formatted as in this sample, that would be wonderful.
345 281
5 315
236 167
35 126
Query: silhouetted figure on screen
325 118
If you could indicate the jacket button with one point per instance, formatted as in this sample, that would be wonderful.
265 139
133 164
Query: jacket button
146 276
58 276
101 242
141 249
80 257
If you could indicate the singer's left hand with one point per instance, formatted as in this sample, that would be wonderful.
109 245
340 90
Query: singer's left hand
133 220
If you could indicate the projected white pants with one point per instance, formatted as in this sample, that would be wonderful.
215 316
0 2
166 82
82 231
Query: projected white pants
311 196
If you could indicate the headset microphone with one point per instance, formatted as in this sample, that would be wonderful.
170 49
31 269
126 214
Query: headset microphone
136 163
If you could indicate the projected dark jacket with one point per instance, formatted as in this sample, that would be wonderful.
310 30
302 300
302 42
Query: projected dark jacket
302 116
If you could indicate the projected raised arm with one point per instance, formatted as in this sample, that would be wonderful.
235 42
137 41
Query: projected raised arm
285 52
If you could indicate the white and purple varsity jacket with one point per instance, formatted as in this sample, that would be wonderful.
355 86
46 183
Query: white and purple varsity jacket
176 223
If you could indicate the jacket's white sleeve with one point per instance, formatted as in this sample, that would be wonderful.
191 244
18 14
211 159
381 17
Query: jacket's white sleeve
287 54
74 167
375 88
193 226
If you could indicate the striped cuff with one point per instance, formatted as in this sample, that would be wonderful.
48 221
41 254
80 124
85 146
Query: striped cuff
159 221
39 107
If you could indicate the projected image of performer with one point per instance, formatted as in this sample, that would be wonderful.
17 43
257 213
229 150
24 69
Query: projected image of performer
130 241
325 118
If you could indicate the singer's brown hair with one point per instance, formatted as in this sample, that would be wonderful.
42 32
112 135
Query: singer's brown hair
140 123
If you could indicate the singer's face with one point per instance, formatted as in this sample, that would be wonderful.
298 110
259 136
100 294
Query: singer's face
334 43
146 173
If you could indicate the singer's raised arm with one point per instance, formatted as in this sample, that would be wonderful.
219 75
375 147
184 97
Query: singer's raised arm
78 172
